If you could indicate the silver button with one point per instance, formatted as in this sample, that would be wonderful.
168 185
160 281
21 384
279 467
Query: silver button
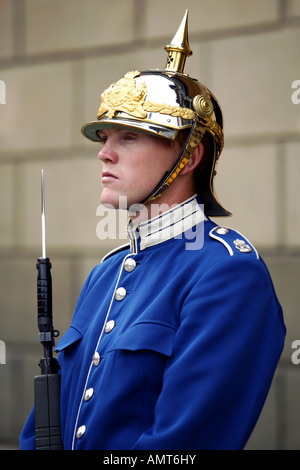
96 359
129 265
120 293
88 394
109 326
222 230
80 432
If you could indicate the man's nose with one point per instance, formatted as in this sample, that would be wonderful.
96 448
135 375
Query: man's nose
108 153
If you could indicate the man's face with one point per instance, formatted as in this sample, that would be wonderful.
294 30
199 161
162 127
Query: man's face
133 164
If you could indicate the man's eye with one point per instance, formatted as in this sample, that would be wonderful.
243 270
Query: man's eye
129 137
102 139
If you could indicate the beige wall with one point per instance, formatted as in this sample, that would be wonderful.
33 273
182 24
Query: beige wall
55 58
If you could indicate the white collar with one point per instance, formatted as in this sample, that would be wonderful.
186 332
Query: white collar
172 223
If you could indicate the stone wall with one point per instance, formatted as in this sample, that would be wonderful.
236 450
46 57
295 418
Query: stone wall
55 58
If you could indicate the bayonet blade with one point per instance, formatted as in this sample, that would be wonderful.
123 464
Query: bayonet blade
43 215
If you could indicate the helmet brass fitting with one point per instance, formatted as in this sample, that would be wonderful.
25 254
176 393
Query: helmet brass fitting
162 103
179 48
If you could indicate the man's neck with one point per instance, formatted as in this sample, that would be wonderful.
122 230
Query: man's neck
141 212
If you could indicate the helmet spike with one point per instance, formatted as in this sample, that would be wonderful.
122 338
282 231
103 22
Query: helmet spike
179 48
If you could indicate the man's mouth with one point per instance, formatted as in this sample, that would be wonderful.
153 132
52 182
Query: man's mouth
107 176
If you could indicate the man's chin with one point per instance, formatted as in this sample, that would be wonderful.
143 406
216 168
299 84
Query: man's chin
119 202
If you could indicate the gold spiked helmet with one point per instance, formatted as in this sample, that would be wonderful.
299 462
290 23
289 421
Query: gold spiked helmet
162 103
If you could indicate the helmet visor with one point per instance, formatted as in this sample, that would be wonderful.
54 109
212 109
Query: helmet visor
90 130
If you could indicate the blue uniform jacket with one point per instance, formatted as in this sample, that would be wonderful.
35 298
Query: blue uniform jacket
172 345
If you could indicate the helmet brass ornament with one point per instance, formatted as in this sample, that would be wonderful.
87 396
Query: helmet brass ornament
163 103
203 106
179 48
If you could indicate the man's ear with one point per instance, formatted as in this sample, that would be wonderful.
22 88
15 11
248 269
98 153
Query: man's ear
194 160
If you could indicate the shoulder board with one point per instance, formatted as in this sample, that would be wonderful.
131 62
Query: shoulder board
115 251
234 241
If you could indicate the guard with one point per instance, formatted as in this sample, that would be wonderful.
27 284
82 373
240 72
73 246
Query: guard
176 335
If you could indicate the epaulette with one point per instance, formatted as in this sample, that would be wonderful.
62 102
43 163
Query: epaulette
115 251
234 241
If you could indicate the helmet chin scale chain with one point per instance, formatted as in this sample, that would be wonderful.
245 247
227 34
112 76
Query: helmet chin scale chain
192 142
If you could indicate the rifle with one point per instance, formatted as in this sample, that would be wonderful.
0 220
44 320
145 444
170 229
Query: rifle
46 385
